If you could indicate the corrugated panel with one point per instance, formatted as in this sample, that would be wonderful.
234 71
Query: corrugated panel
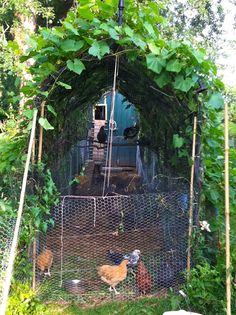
125 116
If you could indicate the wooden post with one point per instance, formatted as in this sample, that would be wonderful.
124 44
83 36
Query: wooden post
40 147
227 212
191 196
34 243
34 265
40 150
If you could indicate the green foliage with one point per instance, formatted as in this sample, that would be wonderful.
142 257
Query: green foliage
23 301
13 13
213 155
81 34
41 195
205 287
197 21
205 290
40 202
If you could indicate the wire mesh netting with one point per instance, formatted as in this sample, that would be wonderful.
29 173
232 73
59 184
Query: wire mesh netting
6 235
148 232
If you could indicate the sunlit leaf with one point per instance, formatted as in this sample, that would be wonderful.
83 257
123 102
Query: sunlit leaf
174 66
149 28
28 113
183 84
76 66
85 12
99 49
70 27
66 86
139 42
178 141
45 124
199 55
163 79
154 49
71 45
128 31
113 33
51 110
155 63
216 101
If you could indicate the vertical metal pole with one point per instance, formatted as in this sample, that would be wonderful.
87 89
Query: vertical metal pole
227 212
191 196
121 7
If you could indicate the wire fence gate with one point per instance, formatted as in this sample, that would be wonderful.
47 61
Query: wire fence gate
95 231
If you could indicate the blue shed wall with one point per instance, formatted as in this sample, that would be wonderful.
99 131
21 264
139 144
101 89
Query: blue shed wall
125 116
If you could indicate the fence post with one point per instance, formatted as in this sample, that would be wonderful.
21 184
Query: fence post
191 196
227 212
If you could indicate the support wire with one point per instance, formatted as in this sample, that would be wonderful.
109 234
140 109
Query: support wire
107 174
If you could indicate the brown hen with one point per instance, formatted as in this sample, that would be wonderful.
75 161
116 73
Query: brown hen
113 275
44 261
143 279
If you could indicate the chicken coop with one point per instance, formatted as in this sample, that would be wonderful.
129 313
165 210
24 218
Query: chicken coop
121 226
95 231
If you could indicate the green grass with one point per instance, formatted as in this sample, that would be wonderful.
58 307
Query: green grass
145 306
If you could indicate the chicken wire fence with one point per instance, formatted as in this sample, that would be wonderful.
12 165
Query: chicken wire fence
6 236
90 232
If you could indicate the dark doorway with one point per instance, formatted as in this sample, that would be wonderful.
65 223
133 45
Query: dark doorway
100 112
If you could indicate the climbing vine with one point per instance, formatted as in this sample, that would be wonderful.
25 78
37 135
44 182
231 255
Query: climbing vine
89 35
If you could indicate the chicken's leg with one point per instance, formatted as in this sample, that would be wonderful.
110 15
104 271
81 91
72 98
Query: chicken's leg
48 273
116 292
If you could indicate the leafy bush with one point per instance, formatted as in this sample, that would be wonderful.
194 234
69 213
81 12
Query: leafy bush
23 301
205 290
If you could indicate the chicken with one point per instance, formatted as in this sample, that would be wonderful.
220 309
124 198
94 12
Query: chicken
133 257
131 132
102 136
113 275
117 258
44 261
82 179
143 278
133 184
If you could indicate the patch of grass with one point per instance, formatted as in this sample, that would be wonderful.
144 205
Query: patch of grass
143 306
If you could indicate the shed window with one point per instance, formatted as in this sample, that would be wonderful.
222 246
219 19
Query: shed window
100 112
